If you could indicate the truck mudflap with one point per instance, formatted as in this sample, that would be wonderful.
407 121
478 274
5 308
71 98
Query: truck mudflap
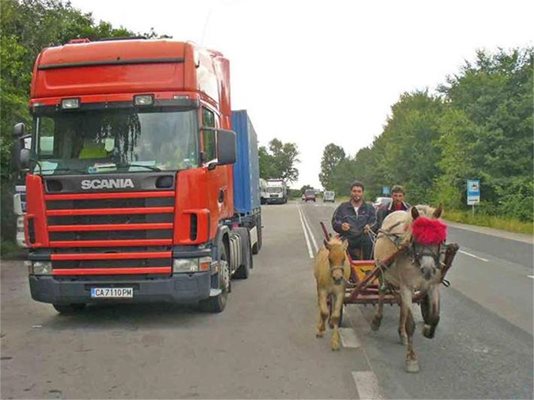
180 288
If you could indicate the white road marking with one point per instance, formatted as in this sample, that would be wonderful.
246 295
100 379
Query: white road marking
366 385
472 255
349 338
531 276
308 244
314 242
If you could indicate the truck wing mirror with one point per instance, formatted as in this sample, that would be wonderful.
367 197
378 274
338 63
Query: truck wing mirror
226 147
24 158
19 129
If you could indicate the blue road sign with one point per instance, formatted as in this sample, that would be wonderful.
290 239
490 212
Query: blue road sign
473 192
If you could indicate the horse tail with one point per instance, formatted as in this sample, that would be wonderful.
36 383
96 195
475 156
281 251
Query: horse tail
430 311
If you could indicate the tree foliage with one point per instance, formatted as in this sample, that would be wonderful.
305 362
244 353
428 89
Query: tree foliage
479 125
26 27
332 156
278 161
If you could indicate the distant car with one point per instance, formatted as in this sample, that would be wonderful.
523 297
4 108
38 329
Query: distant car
382 202
309 195
329 196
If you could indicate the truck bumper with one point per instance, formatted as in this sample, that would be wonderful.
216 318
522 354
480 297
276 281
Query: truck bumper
275 200
179 288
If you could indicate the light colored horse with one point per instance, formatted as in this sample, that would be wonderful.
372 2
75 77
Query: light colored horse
418 269
331 270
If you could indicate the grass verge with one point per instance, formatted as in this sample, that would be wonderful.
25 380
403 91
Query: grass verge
10 251
504 223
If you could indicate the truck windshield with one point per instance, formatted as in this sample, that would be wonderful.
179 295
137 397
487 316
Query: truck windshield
100 141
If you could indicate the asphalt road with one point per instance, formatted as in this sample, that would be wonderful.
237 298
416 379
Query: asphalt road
263 345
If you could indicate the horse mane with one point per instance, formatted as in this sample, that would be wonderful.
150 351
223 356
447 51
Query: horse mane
401 223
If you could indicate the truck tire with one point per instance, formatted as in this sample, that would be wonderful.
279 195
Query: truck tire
69 309
257 246
217 304
243 271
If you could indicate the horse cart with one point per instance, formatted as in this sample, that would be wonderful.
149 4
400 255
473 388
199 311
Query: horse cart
366 284
411 261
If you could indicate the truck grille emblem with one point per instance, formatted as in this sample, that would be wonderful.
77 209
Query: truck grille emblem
88 184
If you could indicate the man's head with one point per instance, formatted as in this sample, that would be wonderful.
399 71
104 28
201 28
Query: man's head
397 194
356 191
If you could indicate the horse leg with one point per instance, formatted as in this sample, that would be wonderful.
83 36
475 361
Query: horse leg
336 313
431 314
323 313
402 321
412 364
377 319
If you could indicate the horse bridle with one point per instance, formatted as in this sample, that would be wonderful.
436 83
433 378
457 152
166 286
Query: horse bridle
417 251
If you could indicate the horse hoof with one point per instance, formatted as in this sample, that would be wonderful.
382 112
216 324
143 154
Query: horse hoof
403 340
412 366
335 348
319 334
428 331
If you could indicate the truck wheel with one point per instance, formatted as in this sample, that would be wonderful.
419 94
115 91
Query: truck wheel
217 304
66 309
243 271
257 246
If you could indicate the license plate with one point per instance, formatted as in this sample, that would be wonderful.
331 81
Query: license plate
111 293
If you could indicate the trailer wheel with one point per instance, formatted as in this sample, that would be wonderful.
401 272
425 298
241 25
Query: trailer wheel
257 246
217 304
243 271
67 309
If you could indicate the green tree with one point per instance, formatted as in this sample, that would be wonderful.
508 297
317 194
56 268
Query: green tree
332 155
26 27
279 161
492 100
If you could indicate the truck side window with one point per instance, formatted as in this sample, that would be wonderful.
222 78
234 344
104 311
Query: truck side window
208 136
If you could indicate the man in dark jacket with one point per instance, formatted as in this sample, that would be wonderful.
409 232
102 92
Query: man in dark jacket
353 220
397 204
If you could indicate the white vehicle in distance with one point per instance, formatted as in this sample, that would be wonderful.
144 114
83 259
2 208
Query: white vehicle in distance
329 195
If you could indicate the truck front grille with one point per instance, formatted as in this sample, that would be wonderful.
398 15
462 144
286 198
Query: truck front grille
101 233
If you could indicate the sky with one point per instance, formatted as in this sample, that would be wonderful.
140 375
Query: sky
319 72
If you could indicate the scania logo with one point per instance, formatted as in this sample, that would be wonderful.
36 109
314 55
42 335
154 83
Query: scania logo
121 183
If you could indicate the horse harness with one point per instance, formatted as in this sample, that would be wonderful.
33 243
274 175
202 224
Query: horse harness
414 250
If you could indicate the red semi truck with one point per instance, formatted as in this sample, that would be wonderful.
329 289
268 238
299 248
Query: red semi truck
142 184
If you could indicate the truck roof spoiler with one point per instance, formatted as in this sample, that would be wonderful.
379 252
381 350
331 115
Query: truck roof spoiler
109 39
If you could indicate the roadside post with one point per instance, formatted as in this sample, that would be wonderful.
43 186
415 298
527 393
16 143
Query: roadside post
473 193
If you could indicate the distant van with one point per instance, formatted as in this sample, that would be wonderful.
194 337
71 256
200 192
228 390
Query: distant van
328 195
309 195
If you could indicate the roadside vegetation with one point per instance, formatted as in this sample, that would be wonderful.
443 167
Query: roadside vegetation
26 27
477 125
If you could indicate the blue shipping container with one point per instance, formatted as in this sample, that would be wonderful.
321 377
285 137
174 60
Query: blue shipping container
246 168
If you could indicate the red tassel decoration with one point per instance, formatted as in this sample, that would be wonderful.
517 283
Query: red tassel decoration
428 231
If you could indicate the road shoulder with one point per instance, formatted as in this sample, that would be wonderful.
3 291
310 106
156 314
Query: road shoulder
520 237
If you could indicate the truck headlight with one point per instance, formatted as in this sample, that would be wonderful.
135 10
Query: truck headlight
42 267
185 265
191 264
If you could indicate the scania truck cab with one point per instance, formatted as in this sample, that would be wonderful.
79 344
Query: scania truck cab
131 176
